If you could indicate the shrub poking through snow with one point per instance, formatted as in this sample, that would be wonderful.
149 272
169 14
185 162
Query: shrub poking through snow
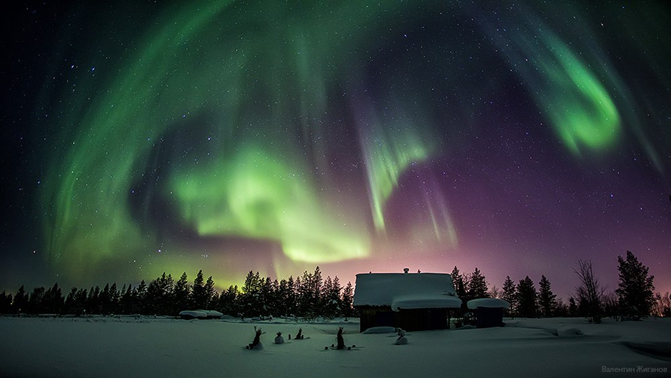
340 339
256 344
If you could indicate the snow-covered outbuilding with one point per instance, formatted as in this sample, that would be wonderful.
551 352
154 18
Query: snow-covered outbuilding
488 311
412 301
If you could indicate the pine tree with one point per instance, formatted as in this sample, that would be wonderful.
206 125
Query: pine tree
5 303
266 297
527 298
635 290
93 301
80 302
347 300
53 300
114 300
459 285
309 294
181 294
477 286
20 301
139 298
210 292
336 296
250 298
572 307
546 299
291 297
126 301
283 297
198 293
228 301
331 302
561 310
35 301
104 301
510 295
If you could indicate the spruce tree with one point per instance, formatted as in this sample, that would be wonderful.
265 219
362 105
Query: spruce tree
198 293
20 301
331 302
459 284
104 301
527 298
126 301
291 296
5 303
210 292
35 302
139 298
227 303
510 295
546 299
572 307
266 297
336 295
53 300
477 286
250 298
283 297
80 302
114 300
347 300
635 290
181 294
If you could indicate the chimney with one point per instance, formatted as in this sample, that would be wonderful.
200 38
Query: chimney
406 270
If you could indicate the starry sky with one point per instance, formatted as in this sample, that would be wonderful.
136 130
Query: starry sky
140 138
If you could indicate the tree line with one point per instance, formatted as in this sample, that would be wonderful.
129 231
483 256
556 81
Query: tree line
306 296
310 296
633 299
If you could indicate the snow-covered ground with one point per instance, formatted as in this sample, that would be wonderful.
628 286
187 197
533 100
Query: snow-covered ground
145 347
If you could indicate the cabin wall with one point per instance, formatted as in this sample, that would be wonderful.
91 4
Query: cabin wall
422 319
409 320
489 317
375 317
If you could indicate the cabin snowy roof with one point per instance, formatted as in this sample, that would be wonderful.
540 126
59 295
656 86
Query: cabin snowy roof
487 303
406 290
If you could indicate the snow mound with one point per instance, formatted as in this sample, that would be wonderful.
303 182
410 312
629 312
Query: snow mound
487 303
200 314
193 314
569 331
374 330
211 314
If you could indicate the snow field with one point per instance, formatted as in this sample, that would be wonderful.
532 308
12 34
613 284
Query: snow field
128 347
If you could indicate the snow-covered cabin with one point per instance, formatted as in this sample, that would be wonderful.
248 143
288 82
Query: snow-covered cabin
488 311
412 301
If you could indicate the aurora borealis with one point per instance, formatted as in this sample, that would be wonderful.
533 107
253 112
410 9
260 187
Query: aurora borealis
275 136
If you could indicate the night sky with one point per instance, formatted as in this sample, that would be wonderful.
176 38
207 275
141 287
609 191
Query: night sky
276 136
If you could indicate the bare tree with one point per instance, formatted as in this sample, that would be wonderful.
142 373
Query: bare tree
589 293
494 292
662 306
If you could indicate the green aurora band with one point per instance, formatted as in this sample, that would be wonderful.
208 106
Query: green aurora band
258 82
